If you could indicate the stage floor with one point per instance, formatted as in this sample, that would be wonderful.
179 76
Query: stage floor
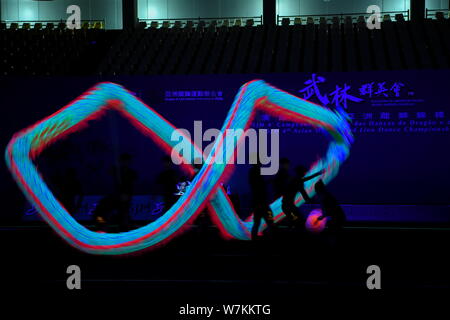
200 267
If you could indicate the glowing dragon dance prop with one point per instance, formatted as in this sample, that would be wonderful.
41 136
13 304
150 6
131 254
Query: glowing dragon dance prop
205 190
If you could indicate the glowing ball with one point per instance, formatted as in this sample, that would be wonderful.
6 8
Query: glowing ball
315 222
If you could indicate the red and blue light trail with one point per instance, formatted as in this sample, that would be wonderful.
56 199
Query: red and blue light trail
206 189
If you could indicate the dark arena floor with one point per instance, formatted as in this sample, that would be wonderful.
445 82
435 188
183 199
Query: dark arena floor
199 267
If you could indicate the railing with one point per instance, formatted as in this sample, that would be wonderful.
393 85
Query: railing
195 22
328 18
431 13
32 23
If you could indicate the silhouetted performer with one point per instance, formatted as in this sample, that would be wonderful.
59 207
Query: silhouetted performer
330 207
70 190
295 185
260 201
203 220
281 179
185 182
167 180
125 179
120 199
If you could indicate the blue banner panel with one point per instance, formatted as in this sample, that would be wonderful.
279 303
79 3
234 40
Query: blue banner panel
398 169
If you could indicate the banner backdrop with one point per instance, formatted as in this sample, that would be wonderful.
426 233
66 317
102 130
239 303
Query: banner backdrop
400 120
